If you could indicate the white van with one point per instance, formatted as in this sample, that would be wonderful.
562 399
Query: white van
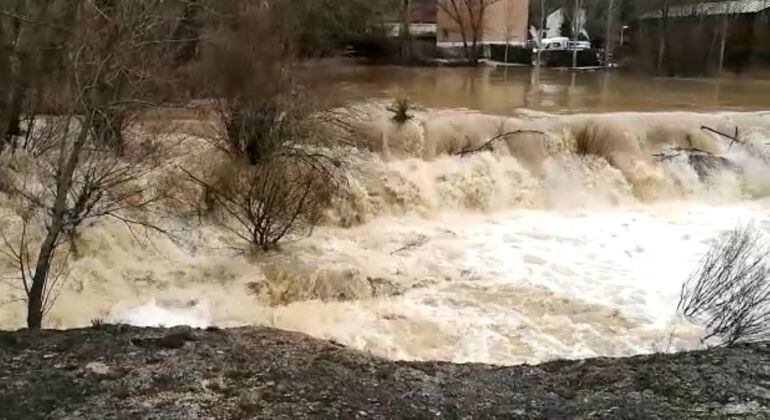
564 43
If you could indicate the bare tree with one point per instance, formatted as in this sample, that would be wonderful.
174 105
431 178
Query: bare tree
282 167
507 30
76 179
112 60
608 37
577 12
725 26
540 29
470 18
665 8
404 32
730 291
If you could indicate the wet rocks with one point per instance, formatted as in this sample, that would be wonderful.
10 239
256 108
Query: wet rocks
98 368
264 373
287 283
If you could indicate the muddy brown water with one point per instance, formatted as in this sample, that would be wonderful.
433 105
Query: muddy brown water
504 91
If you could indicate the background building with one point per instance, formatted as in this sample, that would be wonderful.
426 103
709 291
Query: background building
718 34
504 21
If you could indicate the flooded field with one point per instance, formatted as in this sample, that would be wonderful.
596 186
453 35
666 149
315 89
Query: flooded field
504 91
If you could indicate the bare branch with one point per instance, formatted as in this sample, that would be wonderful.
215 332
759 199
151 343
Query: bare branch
730 292
488 144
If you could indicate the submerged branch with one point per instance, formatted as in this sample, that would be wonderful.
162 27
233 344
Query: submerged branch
733 139
488 145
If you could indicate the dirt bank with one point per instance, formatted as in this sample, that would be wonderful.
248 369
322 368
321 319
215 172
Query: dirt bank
124 372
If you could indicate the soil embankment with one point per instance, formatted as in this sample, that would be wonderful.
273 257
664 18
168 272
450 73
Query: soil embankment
126 372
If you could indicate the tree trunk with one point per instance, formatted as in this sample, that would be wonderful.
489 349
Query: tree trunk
12 116
14 66
404 32
474 39
712 51
6 79
575 30
464 36
662 47
723 42
35 305
188 33
608 36
65 171
21 63
476 32
540 34
506 53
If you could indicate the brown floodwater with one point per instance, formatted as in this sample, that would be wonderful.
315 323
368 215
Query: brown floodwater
504 91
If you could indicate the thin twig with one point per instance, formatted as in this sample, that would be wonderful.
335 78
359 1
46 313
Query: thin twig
487 145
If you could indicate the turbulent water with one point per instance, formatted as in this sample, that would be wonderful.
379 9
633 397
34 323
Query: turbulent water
571 239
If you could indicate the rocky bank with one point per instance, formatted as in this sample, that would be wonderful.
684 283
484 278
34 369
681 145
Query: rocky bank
126 372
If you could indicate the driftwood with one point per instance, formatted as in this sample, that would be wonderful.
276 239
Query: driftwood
420 241
733 139
702 162
688 150
487 146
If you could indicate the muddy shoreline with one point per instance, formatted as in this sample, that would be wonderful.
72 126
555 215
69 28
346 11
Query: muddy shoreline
181 373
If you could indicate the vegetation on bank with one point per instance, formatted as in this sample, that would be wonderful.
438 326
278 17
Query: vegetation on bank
729 293
80 75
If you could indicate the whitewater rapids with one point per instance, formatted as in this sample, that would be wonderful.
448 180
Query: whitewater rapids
573 243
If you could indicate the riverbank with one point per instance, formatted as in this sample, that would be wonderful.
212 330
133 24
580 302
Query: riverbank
125 372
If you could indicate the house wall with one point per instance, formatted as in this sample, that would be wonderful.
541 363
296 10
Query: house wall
503 17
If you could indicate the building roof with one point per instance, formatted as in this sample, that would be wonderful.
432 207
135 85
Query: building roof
712 8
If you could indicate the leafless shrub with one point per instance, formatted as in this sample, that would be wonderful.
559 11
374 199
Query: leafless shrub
98 323
39 135
263 203
730 292
284 159
247 62
400 110
259 130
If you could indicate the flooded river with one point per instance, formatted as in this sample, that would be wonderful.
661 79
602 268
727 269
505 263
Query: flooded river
503 91
570 240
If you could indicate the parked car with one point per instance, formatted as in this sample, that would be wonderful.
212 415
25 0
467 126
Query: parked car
563 43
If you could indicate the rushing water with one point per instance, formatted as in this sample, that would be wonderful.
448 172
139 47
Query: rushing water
503 91
570 243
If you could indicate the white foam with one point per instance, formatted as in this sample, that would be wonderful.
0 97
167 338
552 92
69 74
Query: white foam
526 286
153 314
495 261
